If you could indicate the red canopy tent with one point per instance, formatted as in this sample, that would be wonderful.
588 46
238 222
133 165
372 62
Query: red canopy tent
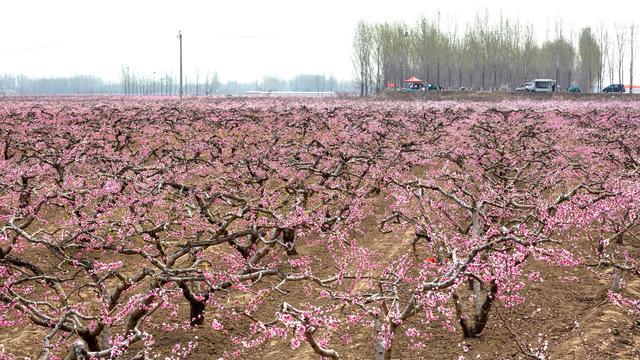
414 84
413 79
631 89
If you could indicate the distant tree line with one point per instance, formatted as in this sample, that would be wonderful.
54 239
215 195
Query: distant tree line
138 84
488 55
134 83
305 82
210 84
78 84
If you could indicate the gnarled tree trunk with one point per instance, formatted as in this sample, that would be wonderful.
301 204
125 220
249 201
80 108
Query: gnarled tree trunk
481 309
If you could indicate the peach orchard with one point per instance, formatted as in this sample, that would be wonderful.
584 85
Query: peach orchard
120 219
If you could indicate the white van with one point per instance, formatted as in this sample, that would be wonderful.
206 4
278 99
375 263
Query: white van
541 85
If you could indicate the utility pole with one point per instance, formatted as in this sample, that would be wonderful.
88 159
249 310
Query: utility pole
180 38
631 43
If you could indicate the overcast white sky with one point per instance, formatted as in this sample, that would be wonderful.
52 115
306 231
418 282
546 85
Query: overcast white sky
240 39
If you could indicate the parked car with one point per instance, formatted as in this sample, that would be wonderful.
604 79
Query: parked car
614 88
542 85
538 85
575 88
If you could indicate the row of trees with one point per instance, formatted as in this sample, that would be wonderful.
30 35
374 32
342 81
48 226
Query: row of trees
488 55
134 83
305 82
77 84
